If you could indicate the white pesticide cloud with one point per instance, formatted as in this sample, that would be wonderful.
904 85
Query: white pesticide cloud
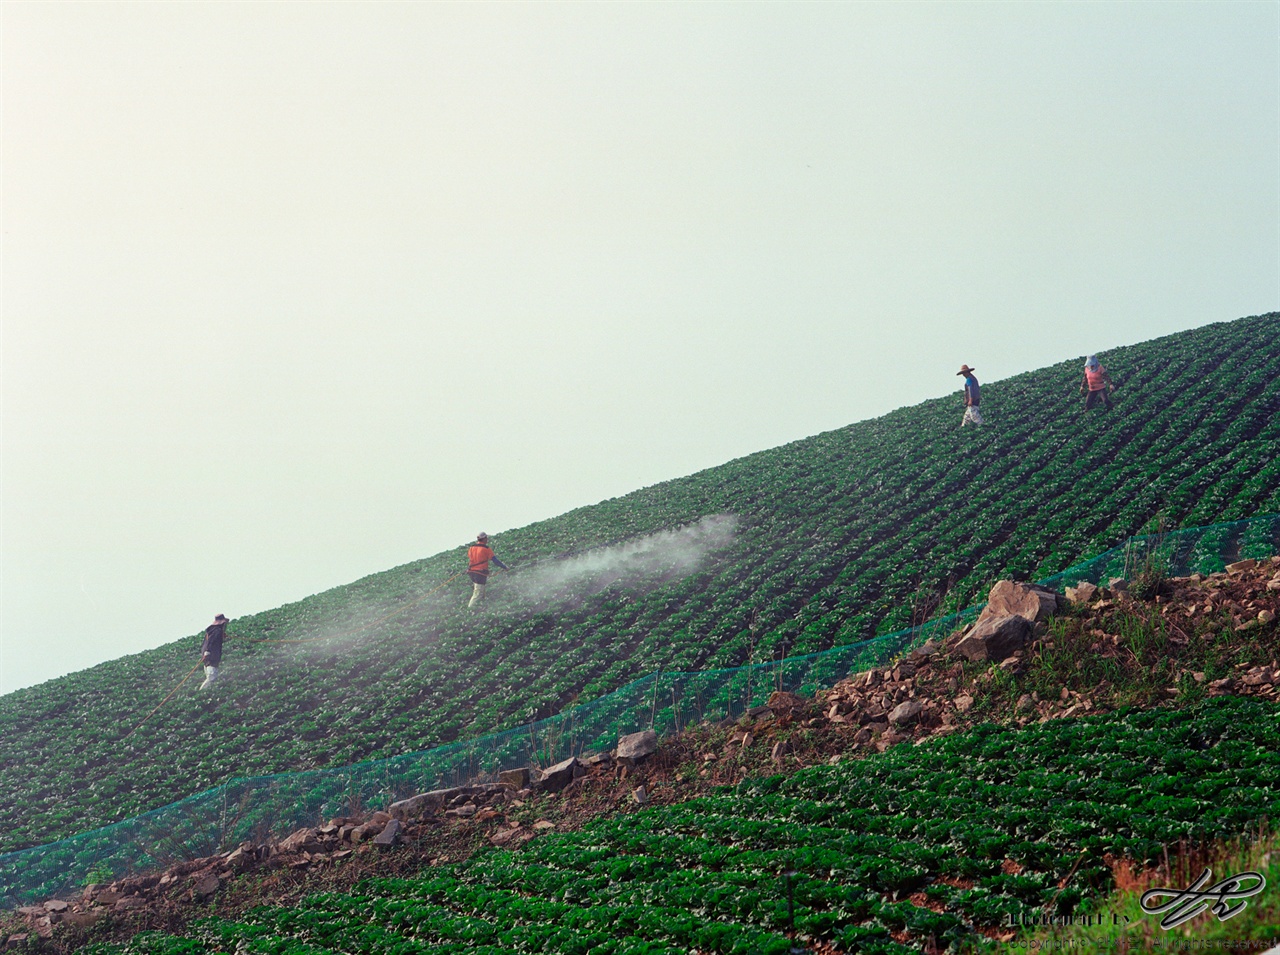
293 293
644 561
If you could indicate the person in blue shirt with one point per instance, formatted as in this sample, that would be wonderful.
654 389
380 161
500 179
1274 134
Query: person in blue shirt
971 396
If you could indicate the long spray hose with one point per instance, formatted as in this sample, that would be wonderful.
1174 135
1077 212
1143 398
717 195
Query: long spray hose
163 702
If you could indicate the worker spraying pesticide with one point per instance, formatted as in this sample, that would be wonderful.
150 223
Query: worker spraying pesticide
211 649
972 395
1097 383
478 556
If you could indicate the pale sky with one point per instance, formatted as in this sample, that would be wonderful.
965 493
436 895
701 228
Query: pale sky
298 292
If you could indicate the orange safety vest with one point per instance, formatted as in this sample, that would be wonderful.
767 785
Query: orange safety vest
1096 379
478 555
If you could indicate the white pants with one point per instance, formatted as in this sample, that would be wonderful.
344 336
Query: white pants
971 416
477 594
210 674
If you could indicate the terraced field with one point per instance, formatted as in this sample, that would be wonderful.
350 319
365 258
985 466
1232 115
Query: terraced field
818 543
915 849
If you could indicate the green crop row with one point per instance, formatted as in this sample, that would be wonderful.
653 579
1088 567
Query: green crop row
920 845
835 538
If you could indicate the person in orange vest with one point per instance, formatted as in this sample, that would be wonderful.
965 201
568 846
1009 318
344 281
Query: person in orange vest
1098 384
478 556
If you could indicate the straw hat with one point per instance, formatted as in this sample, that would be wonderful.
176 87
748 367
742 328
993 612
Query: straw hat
965 369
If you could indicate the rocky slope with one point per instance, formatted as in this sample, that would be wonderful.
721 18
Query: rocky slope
1150 642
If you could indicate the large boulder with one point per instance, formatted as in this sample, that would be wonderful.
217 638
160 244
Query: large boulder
995 638
636 746
514 778
390 834
906 712
304 840
1083 592
1011 598
423 802
560 775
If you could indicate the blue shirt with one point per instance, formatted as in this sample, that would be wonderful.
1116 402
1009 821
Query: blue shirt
971 390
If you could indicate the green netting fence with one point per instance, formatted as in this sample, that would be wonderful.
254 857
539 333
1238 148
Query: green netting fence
254 809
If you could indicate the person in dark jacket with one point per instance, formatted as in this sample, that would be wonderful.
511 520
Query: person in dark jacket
972 393
478 556
211 649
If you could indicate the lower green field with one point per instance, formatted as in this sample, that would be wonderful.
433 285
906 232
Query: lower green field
921 846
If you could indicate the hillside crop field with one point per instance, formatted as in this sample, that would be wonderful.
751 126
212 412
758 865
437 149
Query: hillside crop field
822 542
914 849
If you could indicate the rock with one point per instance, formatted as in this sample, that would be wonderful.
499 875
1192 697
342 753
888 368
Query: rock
964 703
595 759
995 638
429 800
390 834
56 905
381 818
1273 584
640 796
503 836
31 911
926 649
906 712
783 703
361 833
514 778
637 746
1265 616
128 904
887 739
1082 592
304 840
542 825
780 749
1024 703
1241 565
1118 584
18 939
206 885
1010 598
558 776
